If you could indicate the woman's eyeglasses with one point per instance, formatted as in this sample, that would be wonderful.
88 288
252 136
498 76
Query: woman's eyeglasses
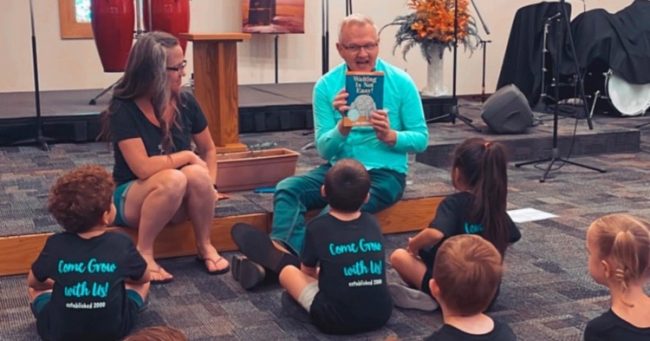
178 67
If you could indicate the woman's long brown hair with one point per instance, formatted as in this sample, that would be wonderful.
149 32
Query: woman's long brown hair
146 75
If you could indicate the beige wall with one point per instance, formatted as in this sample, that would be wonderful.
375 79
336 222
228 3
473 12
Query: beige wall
74 64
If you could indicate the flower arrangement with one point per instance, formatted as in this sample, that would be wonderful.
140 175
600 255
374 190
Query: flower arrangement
432 23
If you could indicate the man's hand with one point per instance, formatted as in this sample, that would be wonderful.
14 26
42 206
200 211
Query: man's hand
379 121
340 104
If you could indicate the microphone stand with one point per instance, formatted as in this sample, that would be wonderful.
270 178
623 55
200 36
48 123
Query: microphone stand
348 7
562 22
325 53
454 110
38 139
484 47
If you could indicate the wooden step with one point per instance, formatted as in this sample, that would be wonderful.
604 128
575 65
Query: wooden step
17 253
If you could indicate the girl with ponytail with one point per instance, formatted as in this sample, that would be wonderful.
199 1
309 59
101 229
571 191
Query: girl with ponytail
479 207
619 256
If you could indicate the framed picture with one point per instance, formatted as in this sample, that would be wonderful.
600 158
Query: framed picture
74 19
273 16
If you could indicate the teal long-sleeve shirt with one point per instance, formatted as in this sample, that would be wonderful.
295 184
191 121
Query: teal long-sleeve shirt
405 114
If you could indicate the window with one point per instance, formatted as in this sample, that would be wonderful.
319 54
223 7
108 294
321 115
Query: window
74 17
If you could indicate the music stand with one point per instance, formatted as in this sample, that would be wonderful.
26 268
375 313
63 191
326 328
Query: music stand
38 138
561 20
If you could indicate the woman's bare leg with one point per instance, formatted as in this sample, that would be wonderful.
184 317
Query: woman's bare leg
199 206
150 205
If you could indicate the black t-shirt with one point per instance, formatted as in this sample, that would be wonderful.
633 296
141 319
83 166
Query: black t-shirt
352 277
127 121
89 298
452 219
501 332
610 327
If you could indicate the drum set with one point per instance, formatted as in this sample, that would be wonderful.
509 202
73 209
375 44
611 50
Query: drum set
608 93
113 28
113 25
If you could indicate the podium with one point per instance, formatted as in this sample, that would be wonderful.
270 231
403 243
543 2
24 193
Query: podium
215 85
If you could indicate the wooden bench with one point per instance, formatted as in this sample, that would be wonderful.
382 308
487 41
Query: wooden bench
18 252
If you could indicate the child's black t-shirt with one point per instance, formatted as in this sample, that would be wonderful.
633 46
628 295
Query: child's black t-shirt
610 327
353 295
89 298
452 219
501 332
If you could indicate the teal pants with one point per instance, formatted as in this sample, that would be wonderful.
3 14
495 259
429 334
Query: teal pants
297 194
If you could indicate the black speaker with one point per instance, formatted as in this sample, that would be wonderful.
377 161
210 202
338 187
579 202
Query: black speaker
507 111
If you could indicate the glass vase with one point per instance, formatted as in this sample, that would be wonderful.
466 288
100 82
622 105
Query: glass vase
435 80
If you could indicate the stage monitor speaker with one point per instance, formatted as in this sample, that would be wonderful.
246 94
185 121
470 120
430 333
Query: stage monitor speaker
507 111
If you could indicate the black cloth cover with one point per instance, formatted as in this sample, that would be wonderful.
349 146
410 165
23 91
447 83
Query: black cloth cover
620 40
522 63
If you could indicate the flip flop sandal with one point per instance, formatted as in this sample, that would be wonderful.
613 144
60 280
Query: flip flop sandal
259 248
160 281
215 261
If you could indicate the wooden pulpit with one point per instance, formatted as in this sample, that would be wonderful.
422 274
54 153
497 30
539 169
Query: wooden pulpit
215 85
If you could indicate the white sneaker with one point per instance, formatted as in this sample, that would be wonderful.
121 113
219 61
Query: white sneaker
405 297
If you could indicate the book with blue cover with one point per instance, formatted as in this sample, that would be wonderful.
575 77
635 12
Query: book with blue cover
365 95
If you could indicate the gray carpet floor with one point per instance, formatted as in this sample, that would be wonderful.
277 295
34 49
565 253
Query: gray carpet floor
547 293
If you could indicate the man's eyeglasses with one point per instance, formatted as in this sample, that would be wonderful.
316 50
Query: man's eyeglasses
178 67
357 48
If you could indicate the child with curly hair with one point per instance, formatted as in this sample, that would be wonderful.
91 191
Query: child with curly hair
86 284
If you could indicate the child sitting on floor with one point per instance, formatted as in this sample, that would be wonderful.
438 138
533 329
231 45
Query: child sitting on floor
348 294
86 284
467 272
619 256
479 174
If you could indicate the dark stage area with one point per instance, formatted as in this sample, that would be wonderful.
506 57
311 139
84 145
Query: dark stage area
67 116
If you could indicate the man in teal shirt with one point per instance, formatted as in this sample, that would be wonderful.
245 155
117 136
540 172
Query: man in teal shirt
382 148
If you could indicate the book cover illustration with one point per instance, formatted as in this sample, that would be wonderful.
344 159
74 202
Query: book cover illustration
365 95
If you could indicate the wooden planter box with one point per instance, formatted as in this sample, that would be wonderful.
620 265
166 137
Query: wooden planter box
248 170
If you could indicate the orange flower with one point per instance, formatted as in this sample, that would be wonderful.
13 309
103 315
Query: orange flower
432 22
436 19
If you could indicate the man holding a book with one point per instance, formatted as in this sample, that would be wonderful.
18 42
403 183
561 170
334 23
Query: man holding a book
378 120
381 144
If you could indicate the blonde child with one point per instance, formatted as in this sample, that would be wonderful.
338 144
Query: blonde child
619 255
468 271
